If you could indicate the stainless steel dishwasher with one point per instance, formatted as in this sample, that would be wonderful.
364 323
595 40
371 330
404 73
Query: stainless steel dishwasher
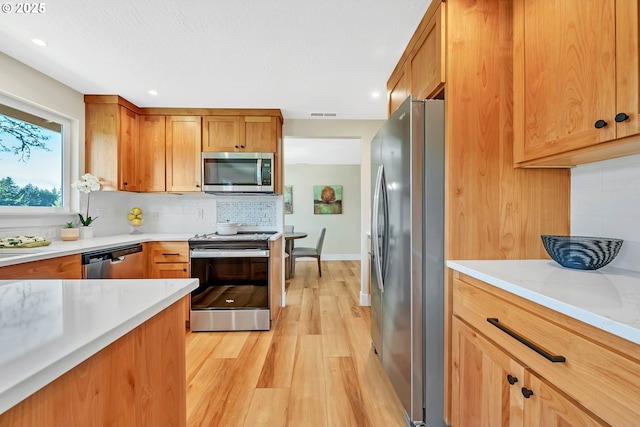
121 262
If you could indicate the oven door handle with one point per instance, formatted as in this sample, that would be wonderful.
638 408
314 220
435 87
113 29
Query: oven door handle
229 253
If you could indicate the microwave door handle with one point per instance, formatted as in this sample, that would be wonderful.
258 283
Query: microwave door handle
259 172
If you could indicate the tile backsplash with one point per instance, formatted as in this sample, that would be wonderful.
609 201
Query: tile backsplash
256 213
605 202
164 213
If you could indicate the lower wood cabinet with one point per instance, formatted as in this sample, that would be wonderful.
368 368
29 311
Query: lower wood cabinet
170 260
587 378
276 261
65 267
494 389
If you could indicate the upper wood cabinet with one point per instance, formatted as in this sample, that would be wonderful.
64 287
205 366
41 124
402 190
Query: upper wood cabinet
221 133
398 89
151 161
421 69
111 134
575 80
240 133
159 149
183 141
427 59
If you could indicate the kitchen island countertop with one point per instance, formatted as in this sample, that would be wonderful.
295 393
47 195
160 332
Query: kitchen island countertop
608 298
50 326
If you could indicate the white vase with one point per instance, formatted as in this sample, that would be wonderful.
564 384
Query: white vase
86 232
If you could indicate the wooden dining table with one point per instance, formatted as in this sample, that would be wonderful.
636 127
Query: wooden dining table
289 237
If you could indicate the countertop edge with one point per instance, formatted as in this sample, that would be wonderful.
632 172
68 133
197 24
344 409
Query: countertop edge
598 321
18 392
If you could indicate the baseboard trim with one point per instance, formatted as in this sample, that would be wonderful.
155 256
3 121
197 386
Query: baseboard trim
334 257
365 299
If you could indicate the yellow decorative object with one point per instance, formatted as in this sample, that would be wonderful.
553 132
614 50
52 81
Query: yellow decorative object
135 218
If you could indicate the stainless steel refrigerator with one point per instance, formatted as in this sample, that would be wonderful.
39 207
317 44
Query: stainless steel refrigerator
407 268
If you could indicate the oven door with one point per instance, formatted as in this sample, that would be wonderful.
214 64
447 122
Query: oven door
233 291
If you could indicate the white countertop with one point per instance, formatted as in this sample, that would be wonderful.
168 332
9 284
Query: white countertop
608 299
50 326
60 248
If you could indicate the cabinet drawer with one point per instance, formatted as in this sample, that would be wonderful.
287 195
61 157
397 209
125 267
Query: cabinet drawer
600 372
169 252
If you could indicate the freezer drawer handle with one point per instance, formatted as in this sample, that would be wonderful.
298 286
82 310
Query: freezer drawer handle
495 322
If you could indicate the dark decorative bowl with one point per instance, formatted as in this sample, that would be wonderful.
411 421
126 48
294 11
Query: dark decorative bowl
579 252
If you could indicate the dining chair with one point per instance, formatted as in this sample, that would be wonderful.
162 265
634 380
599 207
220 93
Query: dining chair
305 252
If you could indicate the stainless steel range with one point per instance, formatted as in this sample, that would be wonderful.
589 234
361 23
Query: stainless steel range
233 271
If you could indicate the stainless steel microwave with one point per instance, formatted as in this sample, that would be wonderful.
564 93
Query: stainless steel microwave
237 172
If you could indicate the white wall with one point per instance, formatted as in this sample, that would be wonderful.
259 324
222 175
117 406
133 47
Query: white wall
342 238
365 130
605 202
32 87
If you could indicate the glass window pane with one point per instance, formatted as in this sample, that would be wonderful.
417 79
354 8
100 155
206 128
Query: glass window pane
31 153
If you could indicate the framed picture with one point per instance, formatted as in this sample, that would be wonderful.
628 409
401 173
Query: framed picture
327 199
288 199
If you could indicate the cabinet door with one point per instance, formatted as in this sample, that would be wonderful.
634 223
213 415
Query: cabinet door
427 61
183 153
628 67
174 271
151 171
128 150
66 267
221 133
399 92
564 75
481 391
101 143
549 407
260 134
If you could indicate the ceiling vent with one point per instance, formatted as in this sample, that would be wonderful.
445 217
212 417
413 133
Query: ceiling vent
322 115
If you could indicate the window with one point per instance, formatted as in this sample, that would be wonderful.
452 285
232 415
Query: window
34 147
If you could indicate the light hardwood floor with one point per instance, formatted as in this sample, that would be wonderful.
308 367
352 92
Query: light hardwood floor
314 368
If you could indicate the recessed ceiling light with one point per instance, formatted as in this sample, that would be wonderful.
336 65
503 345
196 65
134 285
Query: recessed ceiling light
39 42
153 92
375 95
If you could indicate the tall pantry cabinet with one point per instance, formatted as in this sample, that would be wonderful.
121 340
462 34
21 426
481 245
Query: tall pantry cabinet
492 210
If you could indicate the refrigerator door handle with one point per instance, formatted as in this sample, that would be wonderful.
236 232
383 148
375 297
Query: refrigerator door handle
375 236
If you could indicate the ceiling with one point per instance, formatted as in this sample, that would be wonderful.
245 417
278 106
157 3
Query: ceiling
301 56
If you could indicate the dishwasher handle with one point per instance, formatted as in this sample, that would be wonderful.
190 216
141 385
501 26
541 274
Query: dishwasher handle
114 255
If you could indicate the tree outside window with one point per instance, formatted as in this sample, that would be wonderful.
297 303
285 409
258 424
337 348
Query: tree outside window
30 159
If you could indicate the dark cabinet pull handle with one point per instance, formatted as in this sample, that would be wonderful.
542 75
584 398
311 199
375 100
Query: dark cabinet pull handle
600 124
495 322
621 117
512 380
242 146
236 146
184 269
175 254
526 392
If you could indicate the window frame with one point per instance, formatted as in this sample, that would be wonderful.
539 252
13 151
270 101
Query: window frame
67 126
